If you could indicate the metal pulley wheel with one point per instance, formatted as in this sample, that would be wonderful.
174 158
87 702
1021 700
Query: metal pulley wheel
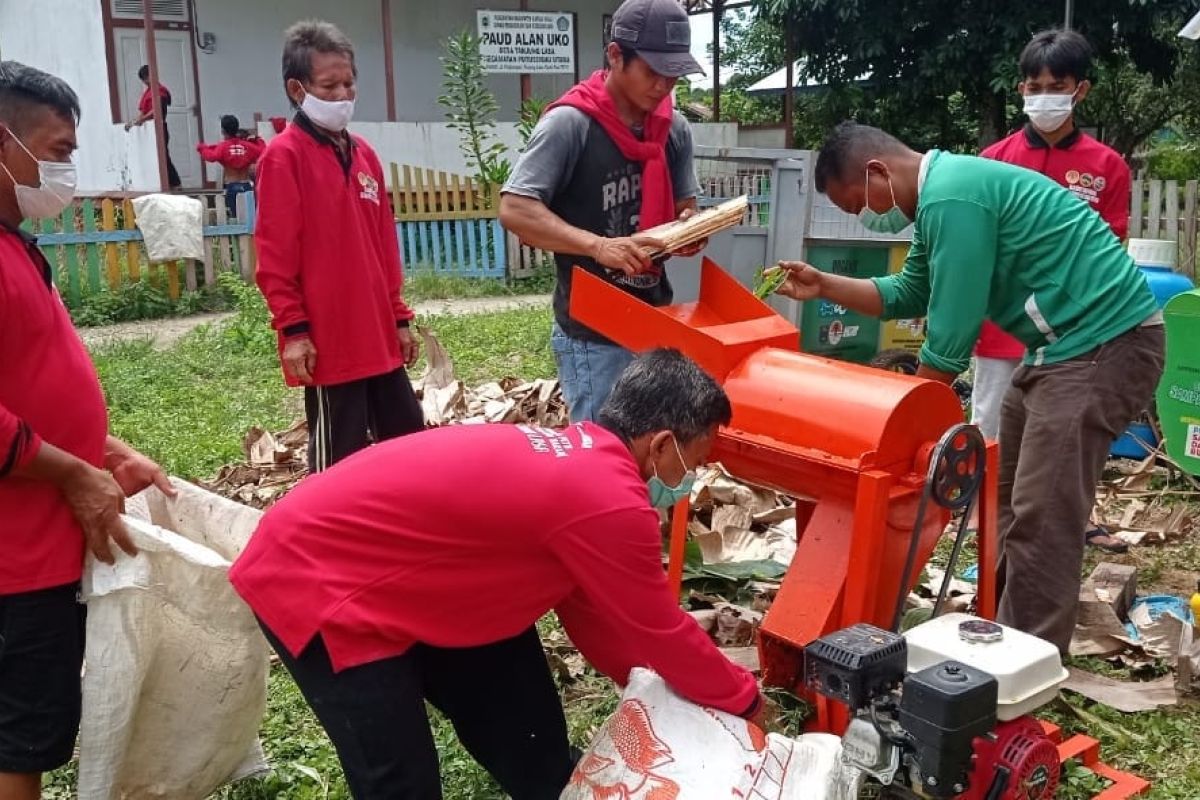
956 467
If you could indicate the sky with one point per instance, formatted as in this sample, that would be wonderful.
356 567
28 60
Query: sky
701 38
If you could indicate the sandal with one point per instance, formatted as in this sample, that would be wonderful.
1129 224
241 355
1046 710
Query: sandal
1101 539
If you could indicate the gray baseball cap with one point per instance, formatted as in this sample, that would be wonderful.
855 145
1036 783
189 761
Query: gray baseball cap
660 32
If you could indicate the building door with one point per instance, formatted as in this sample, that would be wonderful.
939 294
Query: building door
174 50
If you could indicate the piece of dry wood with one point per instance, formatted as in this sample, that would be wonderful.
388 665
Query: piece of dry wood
678 234
746 657
1113 585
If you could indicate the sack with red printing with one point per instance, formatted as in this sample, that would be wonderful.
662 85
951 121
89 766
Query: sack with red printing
658 746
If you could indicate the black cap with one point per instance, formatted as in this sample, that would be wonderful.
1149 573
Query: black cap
661 34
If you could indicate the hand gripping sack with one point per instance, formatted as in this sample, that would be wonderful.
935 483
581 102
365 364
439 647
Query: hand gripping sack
175 672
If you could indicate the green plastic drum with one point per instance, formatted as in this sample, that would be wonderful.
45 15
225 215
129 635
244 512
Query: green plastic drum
828 329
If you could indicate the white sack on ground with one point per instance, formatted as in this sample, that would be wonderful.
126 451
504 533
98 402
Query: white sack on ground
175 677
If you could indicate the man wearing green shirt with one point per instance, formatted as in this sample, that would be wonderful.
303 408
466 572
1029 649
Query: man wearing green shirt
996 241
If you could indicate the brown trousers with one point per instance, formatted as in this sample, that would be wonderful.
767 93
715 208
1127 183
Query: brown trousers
1056 427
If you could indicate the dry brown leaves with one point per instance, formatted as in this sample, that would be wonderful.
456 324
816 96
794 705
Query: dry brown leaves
275 462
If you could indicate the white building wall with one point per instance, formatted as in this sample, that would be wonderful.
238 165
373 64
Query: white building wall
243 75
432 145
66 38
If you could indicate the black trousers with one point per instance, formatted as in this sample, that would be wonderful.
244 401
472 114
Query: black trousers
500 698
172 174
343 418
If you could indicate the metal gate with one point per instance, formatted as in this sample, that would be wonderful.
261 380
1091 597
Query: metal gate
788 221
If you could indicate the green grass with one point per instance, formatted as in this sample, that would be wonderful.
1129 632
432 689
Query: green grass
189 406
424 284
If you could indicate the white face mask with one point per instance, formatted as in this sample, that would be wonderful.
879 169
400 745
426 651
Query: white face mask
1048 112
55 189
332 115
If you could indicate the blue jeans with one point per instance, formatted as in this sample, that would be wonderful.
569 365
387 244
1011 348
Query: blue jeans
586 372
232 190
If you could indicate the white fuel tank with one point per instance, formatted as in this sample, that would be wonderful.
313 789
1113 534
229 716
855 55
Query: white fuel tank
1028 670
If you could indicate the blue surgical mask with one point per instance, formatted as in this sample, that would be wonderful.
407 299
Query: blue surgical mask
664 496
893 220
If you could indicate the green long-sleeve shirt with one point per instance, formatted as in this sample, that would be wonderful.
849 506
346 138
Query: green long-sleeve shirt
994 240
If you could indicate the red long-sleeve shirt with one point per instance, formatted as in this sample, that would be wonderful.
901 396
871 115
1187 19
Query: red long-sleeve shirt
48 392
463 536
145 103
233 153
1092 170
328 257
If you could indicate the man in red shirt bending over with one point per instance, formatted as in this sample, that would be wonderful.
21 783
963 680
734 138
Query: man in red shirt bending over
1055 65
63 479
382 587
329 261
236 153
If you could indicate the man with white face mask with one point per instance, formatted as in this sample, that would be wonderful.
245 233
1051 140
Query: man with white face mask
1055 66
329 261
63 479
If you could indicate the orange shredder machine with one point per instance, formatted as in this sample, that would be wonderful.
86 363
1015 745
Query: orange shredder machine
850 443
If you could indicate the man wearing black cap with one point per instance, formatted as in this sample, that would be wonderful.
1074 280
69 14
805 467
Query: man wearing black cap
611 157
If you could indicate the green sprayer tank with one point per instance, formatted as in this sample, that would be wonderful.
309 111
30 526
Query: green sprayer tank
1178 393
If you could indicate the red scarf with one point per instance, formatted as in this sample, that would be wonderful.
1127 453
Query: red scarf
658 196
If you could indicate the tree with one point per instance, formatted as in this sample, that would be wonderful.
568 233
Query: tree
923 56
471 110
1130 106
754 47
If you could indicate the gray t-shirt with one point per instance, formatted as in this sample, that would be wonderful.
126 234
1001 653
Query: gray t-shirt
558 142
575 168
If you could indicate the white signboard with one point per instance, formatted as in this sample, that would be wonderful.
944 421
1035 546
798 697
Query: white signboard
526 41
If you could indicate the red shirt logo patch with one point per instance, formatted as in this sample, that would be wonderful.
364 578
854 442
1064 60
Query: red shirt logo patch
370 188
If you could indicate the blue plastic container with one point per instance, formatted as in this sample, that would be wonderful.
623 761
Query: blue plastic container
1165 283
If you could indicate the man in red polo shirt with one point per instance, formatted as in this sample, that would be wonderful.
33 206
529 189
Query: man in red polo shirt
381 586
146 111
329 261
63 480
1055 65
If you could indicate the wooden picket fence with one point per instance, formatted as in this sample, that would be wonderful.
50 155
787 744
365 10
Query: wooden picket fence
447 225
1160 210
95 244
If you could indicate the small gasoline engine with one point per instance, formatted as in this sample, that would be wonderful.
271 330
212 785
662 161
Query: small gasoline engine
942 711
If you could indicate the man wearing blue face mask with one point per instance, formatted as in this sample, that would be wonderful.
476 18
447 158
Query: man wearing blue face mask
382 587
1001 242
63 479
329 261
